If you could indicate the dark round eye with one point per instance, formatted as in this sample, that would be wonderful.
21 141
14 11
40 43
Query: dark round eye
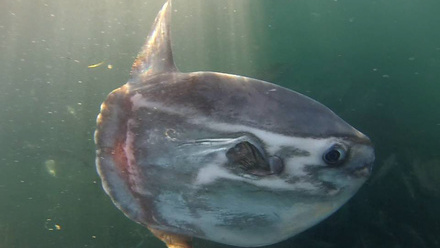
335 155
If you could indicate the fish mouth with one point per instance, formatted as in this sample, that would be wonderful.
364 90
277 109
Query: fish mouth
363 171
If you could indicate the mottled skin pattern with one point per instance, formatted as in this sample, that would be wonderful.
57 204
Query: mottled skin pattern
162 141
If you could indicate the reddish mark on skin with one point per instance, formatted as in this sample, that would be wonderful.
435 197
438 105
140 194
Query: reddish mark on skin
111 114
120 158
113 130
123 158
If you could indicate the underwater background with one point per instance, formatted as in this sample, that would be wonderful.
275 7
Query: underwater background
376 63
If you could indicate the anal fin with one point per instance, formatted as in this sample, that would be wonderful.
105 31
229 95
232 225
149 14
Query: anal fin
172 240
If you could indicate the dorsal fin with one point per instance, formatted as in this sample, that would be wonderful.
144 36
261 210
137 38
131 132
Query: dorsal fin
156 56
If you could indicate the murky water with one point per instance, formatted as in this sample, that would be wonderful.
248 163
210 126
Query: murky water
375 63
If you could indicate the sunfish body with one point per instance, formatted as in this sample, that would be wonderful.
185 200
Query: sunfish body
222 157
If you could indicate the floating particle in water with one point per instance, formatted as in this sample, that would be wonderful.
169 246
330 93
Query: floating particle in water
96 65
50 166
71 110
50 225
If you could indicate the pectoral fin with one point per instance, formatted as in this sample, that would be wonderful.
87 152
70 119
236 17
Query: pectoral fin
247 156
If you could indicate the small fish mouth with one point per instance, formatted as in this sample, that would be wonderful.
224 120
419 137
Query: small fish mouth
364 171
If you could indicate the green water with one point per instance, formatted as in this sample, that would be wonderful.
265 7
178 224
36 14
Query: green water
375 63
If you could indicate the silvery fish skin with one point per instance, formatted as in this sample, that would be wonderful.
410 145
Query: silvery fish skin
223 157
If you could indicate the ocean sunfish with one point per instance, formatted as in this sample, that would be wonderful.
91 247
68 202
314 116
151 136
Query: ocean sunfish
222 157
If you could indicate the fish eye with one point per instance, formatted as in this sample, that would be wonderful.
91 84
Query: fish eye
335 155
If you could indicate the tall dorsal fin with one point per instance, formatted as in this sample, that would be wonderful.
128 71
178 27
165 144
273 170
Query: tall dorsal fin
156 56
